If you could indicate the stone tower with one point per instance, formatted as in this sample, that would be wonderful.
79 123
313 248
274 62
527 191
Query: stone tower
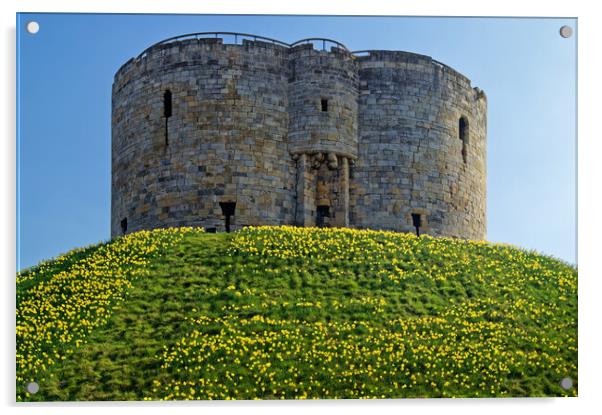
260 132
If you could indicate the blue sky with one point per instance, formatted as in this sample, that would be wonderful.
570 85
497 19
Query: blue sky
65 72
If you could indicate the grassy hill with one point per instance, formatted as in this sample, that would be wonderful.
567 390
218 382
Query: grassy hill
275 313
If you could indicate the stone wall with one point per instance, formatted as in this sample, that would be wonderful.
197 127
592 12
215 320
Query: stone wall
296 136
410 154
226 137
322 101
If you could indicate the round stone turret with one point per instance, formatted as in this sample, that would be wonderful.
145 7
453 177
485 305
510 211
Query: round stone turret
422 147
323 88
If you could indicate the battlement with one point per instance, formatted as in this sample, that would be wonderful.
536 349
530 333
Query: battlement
224 40
303 47
394 58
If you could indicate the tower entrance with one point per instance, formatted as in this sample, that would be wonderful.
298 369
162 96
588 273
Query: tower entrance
322 190
322 216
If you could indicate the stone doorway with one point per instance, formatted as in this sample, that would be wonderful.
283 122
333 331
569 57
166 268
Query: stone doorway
322 216
322 186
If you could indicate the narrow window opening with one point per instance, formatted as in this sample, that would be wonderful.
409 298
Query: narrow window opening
228 211
323 212
167 109
463 135
124 225
417 222
324 104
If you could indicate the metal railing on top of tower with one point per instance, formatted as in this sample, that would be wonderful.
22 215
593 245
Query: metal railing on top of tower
320 41
237 38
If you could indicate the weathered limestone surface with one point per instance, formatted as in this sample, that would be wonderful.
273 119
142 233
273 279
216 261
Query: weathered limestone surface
410 151
296 136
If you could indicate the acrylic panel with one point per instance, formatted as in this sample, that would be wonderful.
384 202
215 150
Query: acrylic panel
295 207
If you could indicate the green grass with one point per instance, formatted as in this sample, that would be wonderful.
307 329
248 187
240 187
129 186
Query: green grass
284 313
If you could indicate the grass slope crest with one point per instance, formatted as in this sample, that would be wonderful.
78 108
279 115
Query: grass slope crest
295 313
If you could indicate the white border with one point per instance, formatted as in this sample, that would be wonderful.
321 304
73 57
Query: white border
589 33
